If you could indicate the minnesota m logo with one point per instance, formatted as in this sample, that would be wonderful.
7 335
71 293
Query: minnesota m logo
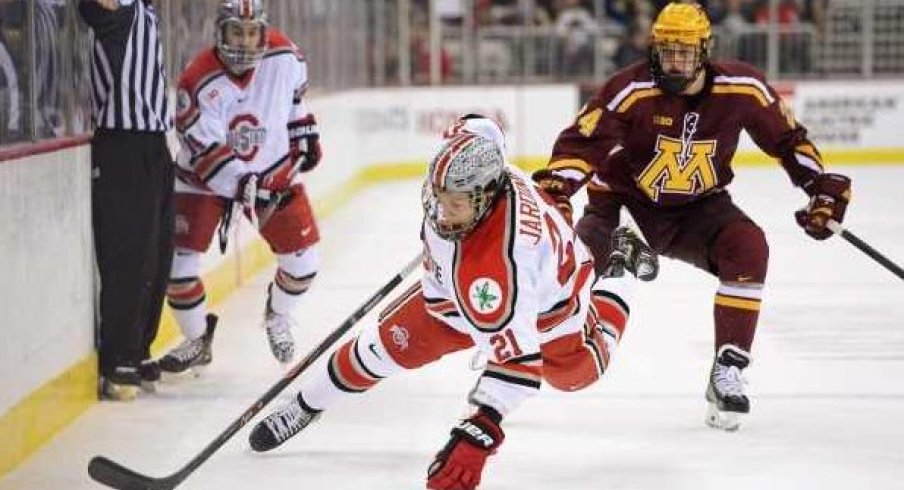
679 169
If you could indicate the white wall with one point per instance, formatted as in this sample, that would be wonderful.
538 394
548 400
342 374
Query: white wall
372 127
46 269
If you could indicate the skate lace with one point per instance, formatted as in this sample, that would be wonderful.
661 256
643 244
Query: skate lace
288 421
728 380
187 350
278 329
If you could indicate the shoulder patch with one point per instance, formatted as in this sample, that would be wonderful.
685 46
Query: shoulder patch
483 270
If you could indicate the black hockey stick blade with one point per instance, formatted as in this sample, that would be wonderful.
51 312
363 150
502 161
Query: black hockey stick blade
865 248
115 475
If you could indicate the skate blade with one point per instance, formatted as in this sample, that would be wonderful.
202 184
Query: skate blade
149 387
193 372
717 419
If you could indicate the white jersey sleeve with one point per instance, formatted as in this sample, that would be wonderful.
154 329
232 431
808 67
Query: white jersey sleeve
206 152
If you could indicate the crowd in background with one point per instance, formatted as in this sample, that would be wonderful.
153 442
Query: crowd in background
577 29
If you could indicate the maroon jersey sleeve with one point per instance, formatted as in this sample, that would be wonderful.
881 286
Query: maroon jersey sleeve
596 132
774 129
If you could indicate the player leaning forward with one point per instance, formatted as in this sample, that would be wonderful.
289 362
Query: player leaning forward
503 271
246 136
658 138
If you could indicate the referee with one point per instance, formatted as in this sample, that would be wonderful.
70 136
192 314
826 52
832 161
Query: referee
132 182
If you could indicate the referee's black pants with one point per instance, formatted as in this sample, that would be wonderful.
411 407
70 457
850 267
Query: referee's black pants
132 208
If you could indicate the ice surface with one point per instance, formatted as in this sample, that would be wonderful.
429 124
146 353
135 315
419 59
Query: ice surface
827 380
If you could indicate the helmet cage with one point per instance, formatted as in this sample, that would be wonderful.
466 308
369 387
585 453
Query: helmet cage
240 59
665 53
467 163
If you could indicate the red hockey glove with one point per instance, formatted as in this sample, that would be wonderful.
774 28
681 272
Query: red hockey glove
558 189
829 196
304 143
460 463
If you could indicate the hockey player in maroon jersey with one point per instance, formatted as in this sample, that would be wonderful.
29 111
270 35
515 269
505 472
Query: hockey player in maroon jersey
503 272
658 138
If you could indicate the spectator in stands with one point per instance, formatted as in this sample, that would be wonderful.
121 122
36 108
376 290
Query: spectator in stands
49 118
625 11
634 45
421 56
577 30
10 123
814 12
793 41
733 19
788 12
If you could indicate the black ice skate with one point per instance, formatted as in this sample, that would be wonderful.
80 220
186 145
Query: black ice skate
725 392
194 353
149 372
282 424
120 384
629 252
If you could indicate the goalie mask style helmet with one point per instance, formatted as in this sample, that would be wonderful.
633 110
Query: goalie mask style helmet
230 14
679 46
468 164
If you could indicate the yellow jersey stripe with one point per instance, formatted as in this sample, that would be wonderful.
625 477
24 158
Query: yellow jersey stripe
740 303
636 96
571 163
750 90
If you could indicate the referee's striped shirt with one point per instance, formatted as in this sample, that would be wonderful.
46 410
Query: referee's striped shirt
128 80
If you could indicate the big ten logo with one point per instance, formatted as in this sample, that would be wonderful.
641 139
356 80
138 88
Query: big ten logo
435 121
679 167
246 136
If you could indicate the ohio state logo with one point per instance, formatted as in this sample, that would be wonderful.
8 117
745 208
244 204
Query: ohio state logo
246 136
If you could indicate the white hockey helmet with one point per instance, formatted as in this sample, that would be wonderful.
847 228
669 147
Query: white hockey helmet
466 163
236 12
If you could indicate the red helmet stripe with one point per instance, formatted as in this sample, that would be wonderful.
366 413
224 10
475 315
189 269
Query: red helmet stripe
452 149
245 9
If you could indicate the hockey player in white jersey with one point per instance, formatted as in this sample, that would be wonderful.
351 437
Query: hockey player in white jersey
246 137
503 271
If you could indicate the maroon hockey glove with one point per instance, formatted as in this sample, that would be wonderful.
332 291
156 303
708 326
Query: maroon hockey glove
558 189
304 143
459 465
829 196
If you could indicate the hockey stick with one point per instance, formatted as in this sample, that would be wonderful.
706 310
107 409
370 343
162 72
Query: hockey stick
258 220
864 247
114 475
